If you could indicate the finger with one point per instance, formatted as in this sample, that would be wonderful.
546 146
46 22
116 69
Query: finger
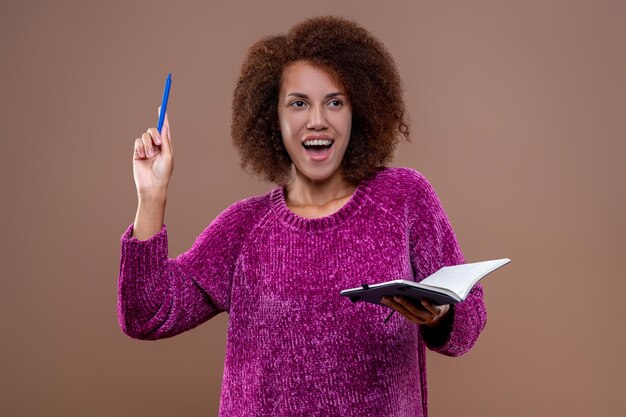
147 144
166 120
414 309
429 306
418 315
156 136
166 136
400 308
410 317
139 151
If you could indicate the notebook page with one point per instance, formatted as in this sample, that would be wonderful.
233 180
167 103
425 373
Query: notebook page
461 278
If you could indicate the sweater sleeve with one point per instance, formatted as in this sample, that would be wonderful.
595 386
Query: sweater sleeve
433 246
160 297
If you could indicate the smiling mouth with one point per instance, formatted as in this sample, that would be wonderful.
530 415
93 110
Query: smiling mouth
318 150
317 146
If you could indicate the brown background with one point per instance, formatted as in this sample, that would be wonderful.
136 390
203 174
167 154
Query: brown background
517 113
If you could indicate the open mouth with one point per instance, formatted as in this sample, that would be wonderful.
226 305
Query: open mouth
318 147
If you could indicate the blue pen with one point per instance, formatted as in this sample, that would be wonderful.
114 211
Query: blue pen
166 94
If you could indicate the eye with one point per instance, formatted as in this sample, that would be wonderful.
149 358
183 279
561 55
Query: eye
299 102
336 102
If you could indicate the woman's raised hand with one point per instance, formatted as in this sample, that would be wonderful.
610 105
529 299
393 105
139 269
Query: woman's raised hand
153 162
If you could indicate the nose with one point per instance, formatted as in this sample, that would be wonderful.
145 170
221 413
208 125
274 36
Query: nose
317 118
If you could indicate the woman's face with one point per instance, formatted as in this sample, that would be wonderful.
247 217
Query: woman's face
315 120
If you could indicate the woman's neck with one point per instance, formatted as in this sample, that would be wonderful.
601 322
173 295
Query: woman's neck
303 191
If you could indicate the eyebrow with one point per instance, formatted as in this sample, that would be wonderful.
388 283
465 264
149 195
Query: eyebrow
302 95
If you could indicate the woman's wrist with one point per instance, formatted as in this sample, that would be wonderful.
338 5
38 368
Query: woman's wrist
153 196
150 215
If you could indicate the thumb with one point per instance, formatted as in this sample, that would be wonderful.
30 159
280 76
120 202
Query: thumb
166 137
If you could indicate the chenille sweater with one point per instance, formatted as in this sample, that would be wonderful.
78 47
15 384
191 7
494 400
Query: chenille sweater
295 347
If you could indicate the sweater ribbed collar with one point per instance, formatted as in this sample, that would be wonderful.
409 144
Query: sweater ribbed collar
320 224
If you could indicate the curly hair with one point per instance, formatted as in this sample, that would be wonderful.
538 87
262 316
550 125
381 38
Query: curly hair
353 56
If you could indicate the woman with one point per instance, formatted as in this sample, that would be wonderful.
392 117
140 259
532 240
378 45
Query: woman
319 112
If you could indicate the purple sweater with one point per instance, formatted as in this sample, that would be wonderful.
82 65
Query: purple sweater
295 347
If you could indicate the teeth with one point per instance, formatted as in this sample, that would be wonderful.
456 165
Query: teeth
318 142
